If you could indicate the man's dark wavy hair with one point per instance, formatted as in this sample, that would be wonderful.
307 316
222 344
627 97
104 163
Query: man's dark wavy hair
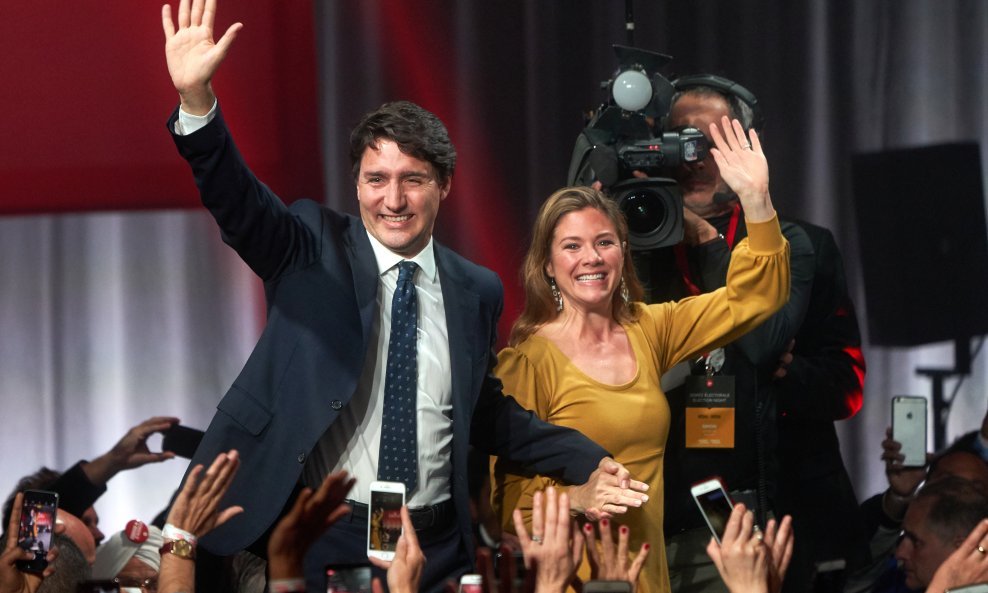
417 132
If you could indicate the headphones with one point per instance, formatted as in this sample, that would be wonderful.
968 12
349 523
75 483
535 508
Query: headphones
732 91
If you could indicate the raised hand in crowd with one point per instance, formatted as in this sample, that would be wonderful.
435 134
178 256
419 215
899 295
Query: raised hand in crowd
405 570
609 560
749 560
609 491
967 565
191 53
903 481
195 513
12 579
311 515
130 452
555 549
778 538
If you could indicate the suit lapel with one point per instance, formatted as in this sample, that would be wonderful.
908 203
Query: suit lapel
461 306
363 266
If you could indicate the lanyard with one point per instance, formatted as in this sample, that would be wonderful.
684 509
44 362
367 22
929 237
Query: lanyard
682 264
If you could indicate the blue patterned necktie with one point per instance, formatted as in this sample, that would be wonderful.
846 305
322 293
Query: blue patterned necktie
397 461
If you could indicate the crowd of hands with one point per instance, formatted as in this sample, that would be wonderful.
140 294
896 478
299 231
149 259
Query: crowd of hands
749 559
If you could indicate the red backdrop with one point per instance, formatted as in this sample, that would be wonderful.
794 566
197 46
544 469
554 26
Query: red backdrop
86 94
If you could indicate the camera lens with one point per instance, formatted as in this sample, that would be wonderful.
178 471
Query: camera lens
653 208
645 211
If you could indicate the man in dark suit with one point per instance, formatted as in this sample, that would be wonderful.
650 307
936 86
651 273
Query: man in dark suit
315 395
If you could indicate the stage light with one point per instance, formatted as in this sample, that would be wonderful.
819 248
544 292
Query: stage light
632 90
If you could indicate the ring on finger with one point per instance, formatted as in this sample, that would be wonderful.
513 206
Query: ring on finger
982 550
746 146
537 539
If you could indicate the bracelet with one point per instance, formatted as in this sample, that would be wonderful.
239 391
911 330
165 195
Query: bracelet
169 531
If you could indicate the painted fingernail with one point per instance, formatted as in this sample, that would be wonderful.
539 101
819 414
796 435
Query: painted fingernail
624 530
604 523
648 546
588 528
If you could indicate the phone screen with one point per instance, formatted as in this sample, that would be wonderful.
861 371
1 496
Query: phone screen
348 578
716 508
385 520
909 428
36 527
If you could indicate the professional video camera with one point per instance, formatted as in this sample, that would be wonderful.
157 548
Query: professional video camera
619 140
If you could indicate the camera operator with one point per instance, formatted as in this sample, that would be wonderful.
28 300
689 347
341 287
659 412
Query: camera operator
792 377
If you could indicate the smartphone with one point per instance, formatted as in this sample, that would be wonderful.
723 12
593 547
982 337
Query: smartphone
714 503
909 428
471 583
348 578
36 528
607 587
103 586
384 519
181 440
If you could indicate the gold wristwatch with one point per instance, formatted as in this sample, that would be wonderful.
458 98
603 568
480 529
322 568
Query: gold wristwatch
180 548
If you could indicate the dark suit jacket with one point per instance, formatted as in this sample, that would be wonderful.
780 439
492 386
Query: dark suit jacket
321 282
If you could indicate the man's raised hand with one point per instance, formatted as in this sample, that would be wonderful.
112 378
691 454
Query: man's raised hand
193 57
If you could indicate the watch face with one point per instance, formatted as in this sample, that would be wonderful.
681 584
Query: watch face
180 548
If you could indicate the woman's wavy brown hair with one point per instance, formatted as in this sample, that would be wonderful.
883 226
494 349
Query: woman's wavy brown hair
540 307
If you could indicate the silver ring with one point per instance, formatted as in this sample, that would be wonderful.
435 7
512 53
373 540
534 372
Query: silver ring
538 539
981 549
746 147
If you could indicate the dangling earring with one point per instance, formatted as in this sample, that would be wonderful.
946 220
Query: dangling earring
555 294
625 294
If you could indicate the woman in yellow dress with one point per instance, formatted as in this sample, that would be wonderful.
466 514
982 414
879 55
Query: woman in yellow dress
587 355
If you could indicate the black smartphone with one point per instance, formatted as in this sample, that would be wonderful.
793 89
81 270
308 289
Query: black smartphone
348 578
37 527
102 586
181 440
607 587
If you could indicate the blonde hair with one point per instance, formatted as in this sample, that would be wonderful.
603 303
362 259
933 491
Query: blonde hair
540 307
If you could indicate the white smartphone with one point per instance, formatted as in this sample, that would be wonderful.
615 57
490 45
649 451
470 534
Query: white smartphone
715 504
384 519
909 428
471 583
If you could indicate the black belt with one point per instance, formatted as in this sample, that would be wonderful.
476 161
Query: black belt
437 517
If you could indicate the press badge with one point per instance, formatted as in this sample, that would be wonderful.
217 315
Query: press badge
710 410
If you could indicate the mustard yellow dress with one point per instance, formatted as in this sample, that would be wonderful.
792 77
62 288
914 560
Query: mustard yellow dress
631 420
